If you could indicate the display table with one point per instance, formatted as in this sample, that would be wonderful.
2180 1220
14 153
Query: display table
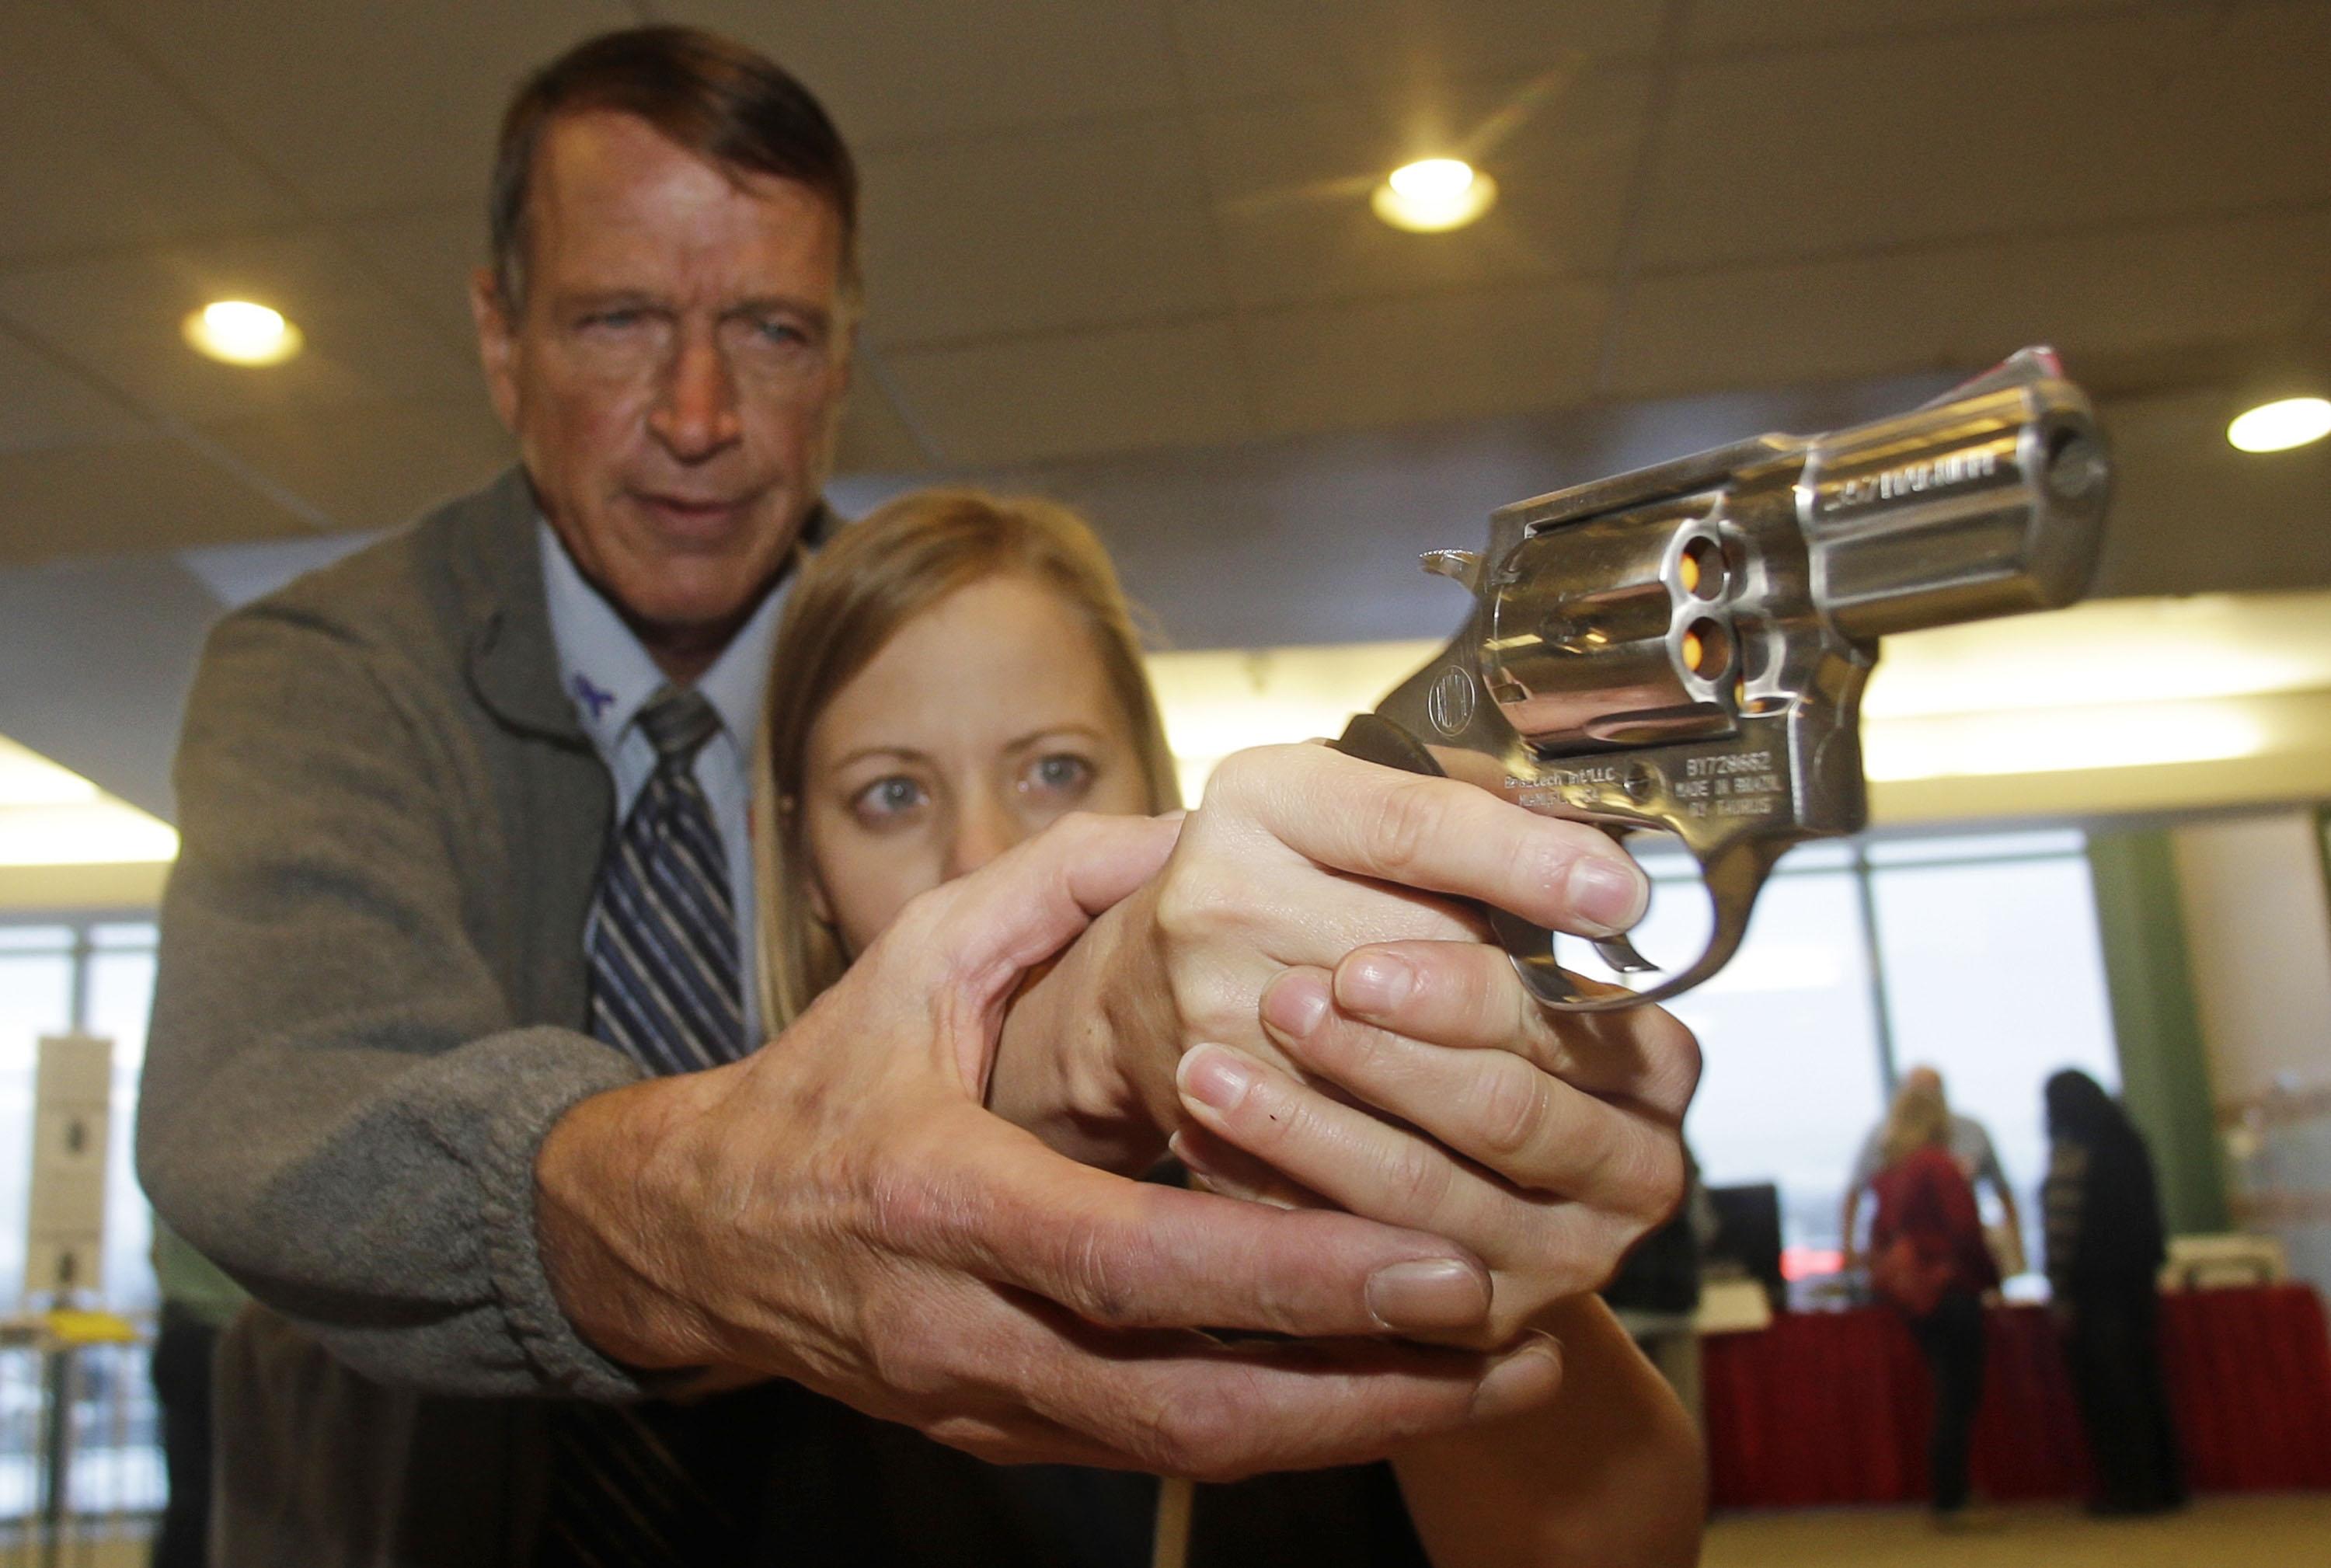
1832 1407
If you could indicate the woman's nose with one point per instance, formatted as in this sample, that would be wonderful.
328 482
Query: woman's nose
984 829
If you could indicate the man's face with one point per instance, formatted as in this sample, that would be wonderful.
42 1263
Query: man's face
675 374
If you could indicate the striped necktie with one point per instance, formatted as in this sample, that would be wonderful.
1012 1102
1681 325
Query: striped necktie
627 1484
664 983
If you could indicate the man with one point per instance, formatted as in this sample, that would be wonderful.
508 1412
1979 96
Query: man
459 901
1978 1162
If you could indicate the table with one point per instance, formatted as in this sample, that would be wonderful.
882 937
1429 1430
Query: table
1832 1407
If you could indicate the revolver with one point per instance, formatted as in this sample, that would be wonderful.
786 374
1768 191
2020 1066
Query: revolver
1683 648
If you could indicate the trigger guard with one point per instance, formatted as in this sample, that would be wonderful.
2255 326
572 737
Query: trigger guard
1733 877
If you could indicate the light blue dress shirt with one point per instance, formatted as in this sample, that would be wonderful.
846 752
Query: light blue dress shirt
609 676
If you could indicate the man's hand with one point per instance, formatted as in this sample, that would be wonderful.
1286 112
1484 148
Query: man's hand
1547 1148
839 1209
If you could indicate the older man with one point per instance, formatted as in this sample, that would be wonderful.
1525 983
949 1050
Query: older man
453 1063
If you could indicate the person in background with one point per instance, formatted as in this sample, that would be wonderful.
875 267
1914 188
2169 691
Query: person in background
1929 1259
2104 1239
1969 1144
198 1299
965 673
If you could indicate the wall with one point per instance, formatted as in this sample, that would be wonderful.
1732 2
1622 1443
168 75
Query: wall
2258 927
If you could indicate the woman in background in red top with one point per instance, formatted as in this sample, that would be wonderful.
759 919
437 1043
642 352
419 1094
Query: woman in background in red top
1928 1257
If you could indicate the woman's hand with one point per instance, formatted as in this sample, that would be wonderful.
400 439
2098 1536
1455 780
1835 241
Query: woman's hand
1440 1096
1548 1149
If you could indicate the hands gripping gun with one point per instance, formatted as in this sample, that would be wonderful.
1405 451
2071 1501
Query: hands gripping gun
1683 648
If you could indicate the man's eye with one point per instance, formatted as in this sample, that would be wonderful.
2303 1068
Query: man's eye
777 332
614 321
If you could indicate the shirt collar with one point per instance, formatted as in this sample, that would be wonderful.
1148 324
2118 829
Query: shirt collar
609 676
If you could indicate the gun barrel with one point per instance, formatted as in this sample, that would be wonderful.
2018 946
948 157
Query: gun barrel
1988 505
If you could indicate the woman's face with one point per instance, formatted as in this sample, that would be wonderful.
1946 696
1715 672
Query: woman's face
980 721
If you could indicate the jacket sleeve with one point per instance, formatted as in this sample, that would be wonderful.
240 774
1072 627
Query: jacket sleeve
338 1107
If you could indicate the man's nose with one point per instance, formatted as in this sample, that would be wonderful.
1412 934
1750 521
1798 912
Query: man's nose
984 829
695 413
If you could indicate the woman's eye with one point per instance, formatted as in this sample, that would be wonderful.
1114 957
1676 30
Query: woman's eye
887 798
1060 773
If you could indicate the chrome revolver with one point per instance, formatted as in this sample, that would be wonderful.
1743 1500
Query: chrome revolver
1684 648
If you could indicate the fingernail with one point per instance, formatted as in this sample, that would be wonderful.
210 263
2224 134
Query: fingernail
1430 1292
1185 1148
1608 893
1375 984
1525 1377
1295 1003
1214 1076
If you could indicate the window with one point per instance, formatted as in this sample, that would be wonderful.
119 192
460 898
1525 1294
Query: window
56 977
1977 955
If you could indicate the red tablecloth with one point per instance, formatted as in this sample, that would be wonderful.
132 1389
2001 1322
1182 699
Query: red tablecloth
1832 1407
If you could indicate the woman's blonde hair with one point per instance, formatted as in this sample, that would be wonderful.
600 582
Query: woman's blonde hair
1920 1118
878 574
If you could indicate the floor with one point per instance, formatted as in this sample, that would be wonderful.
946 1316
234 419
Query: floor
2276 1531
2279 1530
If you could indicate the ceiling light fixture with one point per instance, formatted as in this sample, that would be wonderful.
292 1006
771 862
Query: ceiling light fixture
2280 425
1433 195
241 333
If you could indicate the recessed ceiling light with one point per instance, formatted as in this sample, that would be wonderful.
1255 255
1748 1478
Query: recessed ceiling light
241 333
1434 195
2280 425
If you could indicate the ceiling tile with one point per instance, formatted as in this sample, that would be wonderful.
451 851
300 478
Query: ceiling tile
1075 394
1725 25
1292 180
47 403
99 155
375 466
1431 357
2101 295
425 256
2150 114
2190 513
119 319
1027 233
147 495
905 71
385 106
1260 49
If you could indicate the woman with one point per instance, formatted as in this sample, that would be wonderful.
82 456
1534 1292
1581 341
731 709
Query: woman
960 671
2104 1252
1929 1258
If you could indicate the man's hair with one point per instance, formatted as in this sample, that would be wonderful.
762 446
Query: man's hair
715 96
858 592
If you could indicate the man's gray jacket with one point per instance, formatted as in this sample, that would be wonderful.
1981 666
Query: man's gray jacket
368 1013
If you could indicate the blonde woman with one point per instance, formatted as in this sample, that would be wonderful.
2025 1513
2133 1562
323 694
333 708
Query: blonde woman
1929 1259
960 671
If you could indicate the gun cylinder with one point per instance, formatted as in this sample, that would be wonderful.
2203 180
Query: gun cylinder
1635 658
1988 506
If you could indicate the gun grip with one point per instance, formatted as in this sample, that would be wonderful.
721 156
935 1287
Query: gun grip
1372 738
1733 875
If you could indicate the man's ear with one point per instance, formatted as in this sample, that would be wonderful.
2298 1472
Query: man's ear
496 345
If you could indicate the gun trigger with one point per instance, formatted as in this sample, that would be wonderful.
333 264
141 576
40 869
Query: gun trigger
1619 955
1531 948
1463 566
